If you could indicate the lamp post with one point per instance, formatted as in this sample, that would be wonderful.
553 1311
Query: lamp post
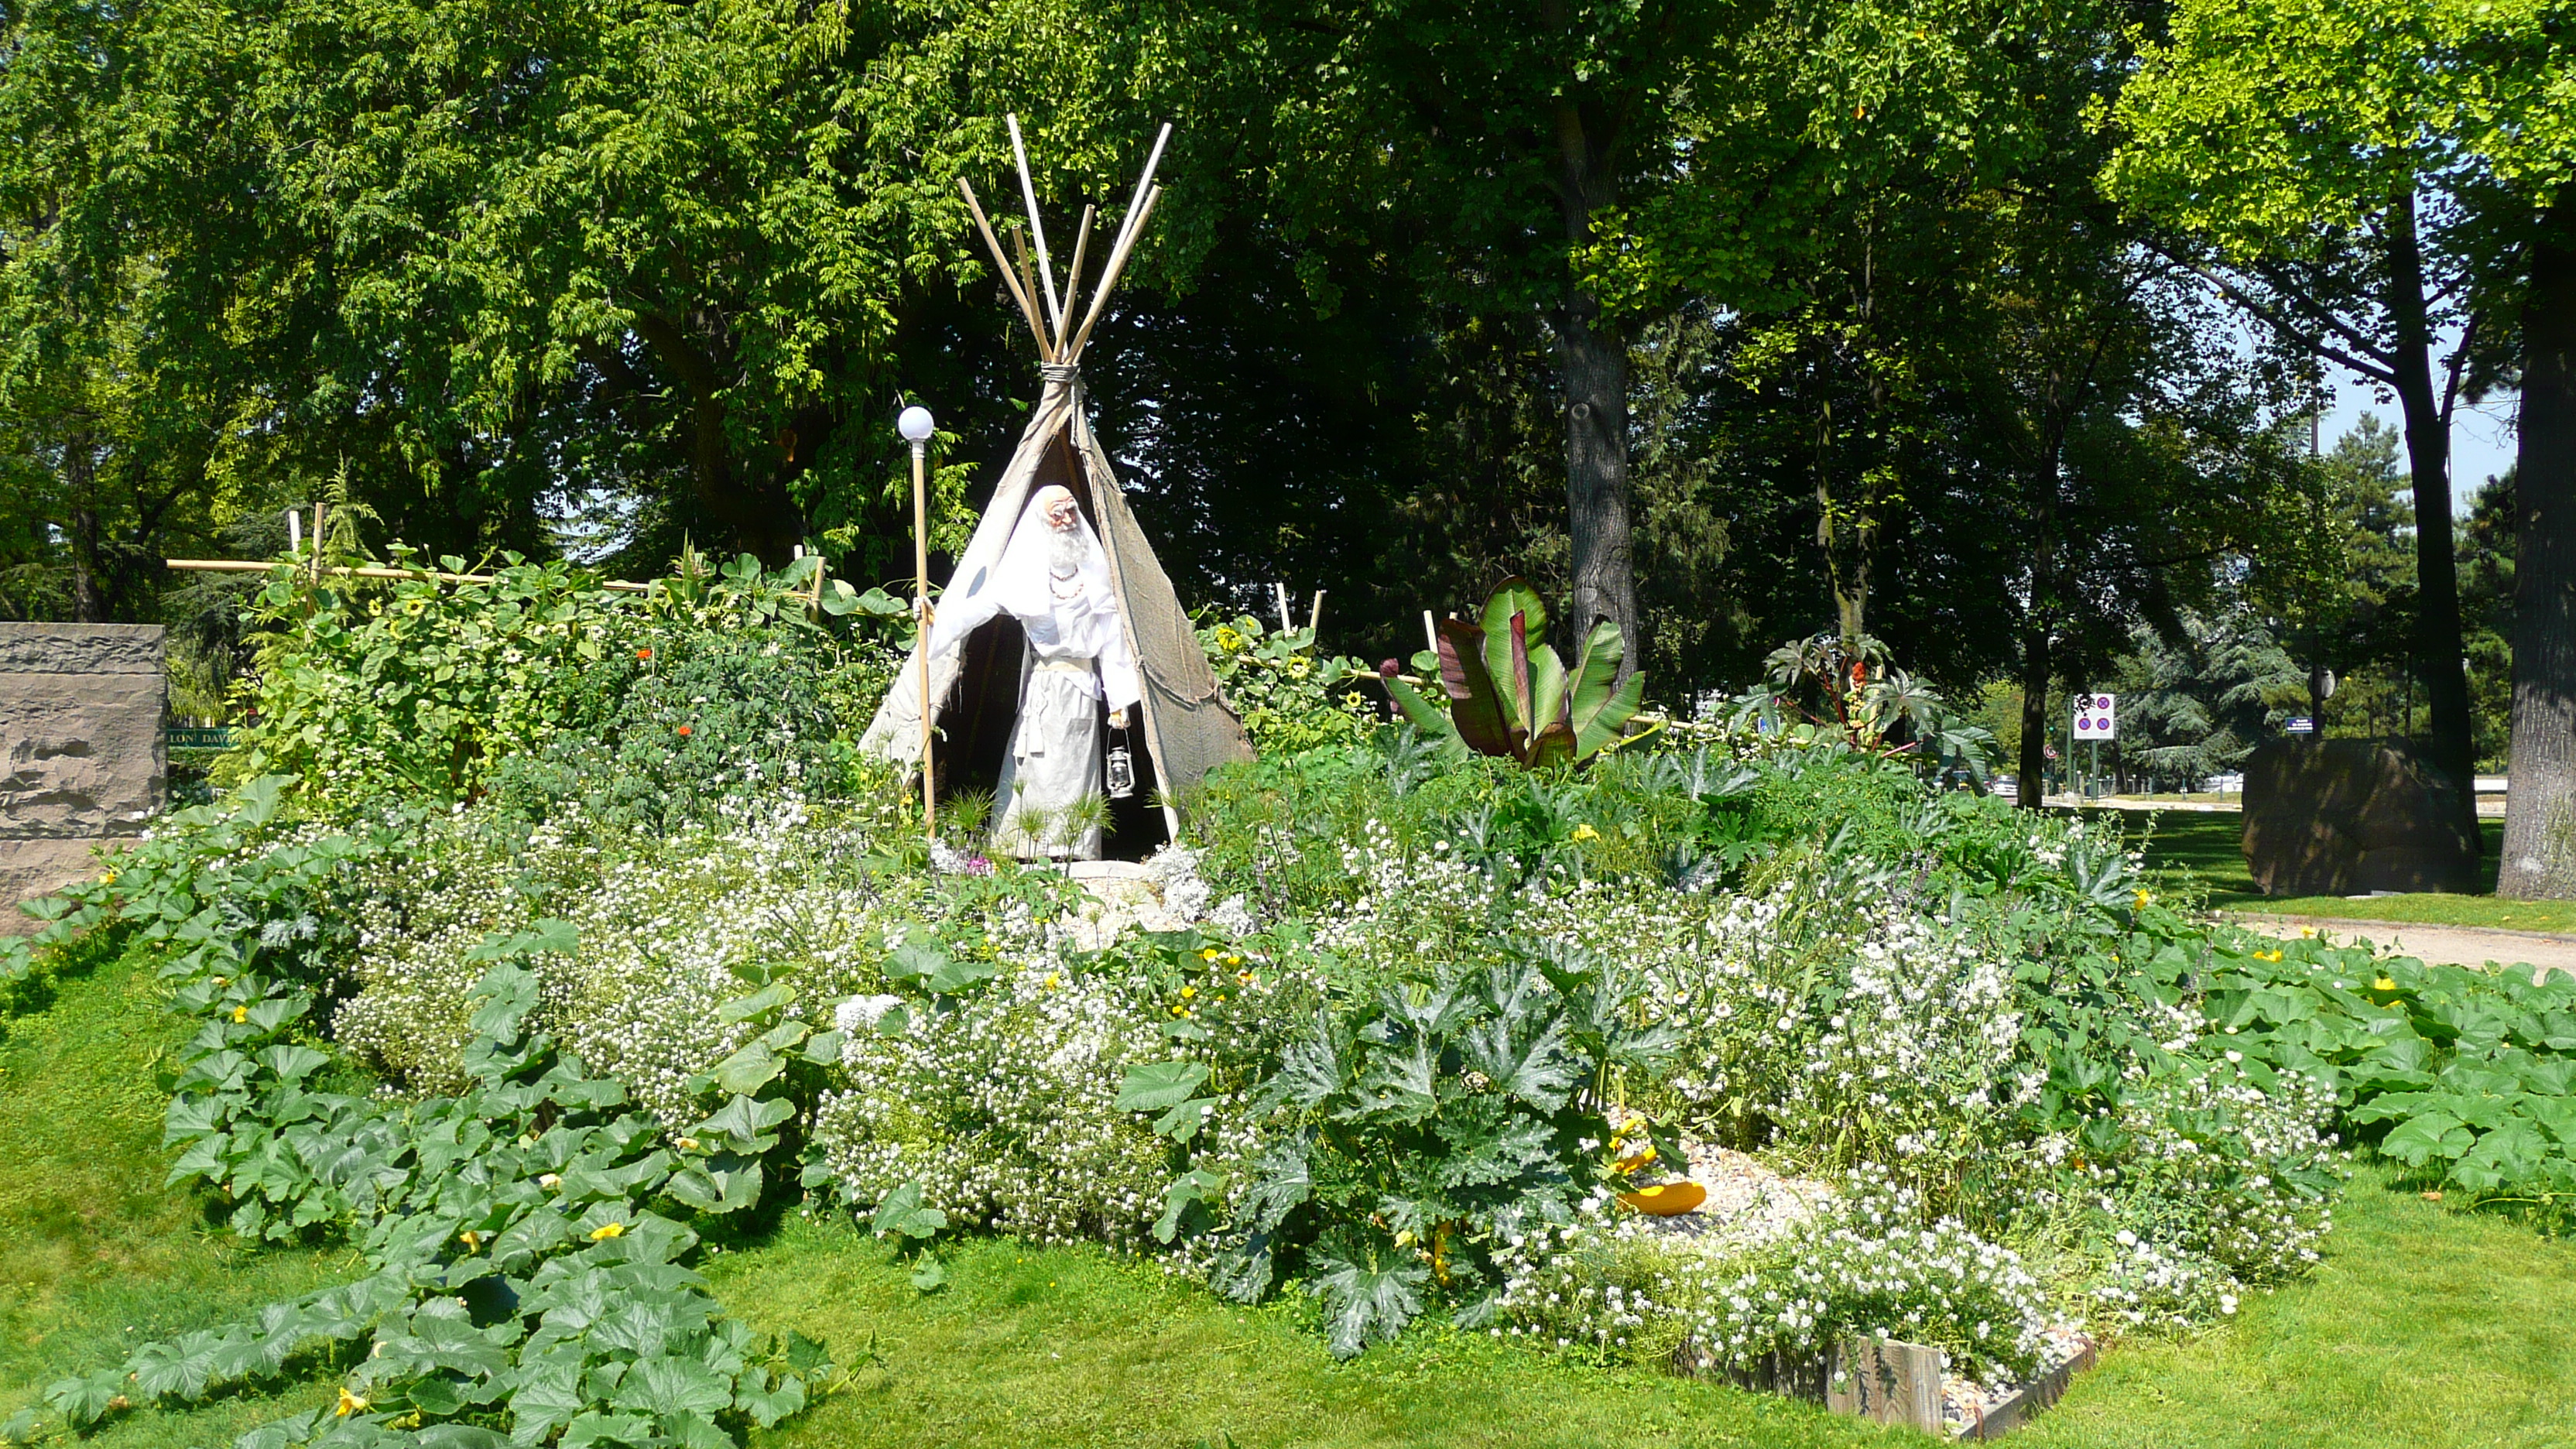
915 424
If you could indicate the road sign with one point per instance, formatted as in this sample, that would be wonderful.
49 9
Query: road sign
2096 717
2299 724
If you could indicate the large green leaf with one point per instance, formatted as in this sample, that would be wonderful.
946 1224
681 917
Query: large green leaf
1476 707
1601 705
1431 719
749 1069
1160 1085
2430 1136
1547 683
902 1213
1366 1303
1513 596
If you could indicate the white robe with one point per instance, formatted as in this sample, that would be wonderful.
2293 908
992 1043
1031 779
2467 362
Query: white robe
1078 660
1054 764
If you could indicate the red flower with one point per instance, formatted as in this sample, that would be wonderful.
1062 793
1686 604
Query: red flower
643 653
684 731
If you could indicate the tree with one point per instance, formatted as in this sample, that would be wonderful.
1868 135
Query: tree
2327 566
509 264
2363 172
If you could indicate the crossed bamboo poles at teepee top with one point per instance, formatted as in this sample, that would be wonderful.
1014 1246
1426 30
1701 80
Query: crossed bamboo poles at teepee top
1029 289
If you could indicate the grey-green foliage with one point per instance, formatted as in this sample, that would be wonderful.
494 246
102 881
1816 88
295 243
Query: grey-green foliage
1419 1128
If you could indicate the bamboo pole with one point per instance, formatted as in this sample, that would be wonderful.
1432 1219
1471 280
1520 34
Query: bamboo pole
1073 277
921 641
1144 187
1128 227
1002 264
1109 274
1037 228
1315 619
251 566
1029 284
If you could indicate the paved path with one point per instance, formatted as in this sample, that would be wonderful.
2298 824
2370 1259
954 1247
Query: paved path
2457 945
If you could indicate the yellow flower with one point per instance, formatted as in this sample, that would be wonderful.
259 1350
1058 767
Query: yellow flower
2307 933
1586 832
1188 991
606 1231
1052 979
472 1240
349 1404
108 879
2267 955
2383 984
1226 638
1208 954
688 1144
241 1013
1234 960
2145 896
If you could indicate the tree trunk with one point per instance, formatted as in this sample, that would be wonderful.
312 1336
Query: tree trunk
1593 360
2540 802
2033 764
80 476
2428 465
758 515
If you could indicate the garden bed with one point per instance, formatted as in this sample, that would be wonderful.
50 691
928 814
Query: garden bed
1380 1047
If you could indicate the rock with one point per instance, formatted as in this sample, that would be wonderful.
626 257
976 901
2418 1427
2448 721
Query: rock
32 868
2342 817
81 759
81 649
81 754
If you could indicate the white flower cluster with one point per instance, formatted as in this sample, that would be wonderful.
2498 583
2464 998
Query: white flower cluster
1626 1289
2224 1189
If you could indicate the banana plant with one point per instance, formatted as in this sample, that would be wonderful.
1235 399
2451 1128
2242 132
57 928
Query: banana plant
1512 698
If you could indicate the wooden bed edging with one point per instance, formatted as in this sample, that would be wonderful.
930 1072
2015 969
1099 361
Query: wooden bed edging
1885 1380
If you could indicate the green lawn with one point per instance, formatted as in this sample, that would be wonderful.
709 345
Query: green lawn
2423 1329
2207 845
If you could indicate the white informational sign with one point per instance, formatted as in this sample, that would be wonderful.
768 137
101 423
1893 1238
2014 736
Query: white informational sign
2299 724
2096 717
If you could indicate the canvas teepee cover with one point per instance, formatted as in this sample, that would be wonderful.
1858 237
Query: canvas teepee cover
1184 726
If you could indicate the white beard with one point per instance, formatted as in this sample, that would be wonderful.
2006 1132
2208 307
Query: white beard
1064 552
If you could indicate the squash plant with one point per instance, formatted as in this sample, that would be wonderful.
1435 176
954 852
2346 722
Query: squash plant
1515 699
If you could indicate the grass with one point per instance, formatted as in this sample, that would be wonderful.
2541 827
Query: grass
2208 845
2423 1328
1071 1347
94 1255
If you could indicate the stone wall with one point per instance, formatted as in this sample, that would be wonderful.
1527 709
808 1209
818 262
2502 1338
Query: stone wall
2345 817
80 740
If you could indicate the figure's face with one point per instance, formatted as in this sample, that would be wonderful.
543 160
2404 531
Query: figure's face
1062 514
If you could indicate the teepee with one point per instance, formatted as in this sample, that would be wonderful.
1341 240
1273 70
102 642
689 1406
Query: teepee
1185 727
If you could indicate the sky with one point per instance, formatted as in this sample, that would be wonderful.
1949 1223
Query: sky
2482 437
